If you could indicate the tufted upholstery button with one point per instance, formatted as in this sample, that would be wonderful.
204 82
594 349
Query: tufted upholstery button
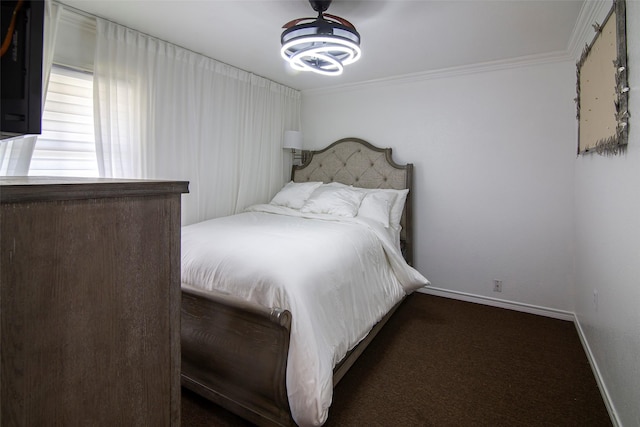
357 179
384 179
331 179
320 165
371 164
344 164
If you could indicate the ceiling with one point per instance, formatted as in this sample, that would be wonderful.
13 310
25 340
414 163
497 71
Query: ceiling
399 37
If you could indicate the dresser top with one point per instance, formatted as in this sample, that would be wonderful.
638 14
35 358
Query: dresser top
41 188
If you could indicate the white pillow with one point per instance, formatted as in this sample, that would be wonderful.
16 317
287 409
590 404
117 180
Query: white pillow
377 205
294 194
397 206
337 184
334 200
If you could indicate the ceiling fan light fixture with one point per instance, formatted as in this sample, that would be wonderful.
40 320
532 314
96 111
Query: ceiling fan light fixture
324 55
324 45
324 64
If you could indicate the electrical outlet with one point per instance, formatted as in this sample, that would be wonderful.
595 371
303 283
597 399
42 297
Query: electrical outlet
497 286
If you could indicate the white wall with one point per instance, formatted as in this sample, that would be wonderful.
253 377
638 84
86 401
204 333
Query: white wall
494 150
607 198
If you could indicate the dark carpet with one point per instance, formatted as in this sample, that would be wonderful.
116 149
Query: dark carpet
443 362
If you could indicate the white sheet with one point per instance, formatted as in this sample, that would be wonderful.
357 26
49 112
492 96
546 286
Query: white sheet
278 257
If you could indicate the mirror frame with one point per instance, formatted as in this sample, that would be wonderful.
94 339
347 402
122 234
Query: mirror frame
598 115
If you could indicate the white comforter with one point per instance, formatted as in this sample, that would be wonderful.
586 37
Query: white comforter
338 277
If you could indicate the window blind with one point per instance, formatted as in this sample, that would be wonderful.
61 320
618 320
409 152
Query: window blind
67 144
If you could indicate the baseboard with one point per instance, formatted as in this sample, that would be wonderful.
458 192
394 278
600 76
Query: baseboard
615 420
496 302
542 311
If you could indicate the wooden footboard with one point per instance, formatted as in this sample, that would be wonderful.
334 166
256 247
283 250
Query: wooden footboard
235 354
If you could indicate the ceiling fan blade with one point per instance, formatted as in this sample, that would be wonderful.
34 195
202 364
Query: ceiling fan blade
340 20
295 22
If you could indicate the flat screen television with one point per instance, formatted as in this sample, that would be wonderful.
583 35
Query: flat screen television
21 67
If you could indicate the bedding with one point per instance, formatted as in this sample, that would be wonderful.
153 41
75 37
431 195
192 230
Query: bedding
294 194
334 200
377 206
337 274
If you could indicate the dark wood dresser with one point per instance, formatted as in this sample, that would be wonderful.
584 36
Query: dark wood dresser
90 302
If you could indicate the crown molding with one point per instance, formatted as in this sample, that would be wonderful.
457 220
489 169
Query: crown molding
483 67
583 32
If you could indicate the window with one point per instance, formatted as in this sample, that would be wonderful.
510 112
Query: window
67 146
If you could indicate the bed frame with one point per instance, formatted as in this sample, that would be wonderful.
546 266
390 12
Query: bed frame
234 353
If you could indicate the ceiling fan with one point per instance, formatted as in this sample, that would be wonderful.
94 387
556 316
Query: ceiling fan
323 45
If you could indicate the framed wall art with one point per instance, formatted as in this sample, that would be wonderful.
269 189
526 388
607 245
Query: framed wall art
602 87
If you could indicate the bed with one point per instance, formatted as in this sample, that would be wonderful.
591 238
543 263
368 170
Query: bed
274 312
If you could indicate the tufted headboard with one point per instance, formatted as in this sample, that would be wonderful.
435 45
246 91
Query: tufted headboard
356 162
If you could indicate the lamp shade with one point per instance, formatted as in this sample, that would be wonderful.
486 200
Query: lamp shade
292 140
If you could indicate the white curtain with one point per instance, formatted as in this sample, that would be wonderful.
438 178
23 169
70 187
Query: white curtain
164 112
15 154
